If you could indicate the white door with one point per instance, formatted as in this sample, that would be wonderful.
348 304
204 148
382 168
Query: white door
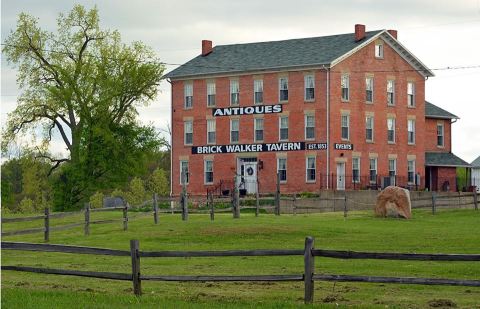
341 176
250 176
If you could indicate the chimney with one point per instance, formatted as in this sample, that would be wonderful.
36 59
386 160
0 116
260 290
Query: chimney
393 33
206 47
359 32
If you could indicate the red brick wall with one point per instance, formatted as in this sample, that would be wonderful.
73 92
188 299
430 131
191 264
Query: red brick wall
447 174
431 135
357 65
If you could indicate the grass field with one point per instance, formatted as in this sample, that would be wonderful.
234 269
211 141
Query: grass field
455 231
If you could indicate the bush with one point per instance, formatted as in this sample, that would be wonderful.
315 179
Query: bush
96 200
26 206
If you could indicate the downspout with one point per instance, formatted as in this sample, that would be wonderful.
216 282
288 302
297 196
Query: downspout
328 126
171 137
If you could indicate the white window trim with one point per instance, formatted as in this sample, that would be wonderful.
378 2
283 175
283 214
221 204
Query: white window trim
380 49
205 172
280 88
254 91
393 92
210 83
359 164
185 132
413 95
232 82
314 167
305 126
443 135
255 130
348 126
181 171
185 92
280 128
214 131
373 129
414 163
370 169
348 87
305 87
231 126
366 88
408 132
394 131
286 169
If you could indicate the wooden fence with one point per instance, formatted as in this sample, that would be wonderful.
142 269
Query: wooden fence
308 276
291 204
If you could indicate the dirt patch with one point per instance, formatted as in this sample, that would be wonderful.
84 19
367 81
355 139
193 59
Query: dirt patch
22 283
333 298
442 303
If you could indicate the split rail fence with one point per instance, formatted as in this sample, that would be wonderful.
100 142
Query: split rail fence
309 276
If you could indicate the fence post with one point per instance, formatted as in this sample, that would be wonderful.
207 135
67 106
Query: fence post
345 205
475 199
135 255
236 198
125 217
309 269
294 204
434 200
212 208
155 208
257 201
87 219
47 225
277 196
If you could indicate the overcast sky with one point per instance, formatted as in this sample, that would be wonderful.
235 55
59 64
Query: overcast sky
441 33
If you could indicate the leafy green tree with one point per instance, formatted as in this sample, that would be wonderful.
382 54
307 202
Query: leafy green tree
84 84
158 182
96 200
136 194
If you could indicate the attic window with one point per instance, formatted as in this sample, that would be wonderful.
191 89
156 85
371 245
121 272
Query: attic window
378 50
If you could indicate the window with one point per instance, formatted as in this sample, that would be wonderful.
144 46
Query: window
369 128
356 169
392 171
411 171
211 94
309 127
188 93
411 131
211 131
208 167
391 130
309 87
283 86
188 129
283 128
369 89
345 83
258 91
234 130
234 92
311 169
258 129
282 169
373 170
411 94
378 50
184 174
440 138
345 127
390 92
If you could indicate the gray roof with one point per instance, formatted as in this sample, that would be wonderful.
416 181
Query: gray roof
433 111
444 159
476 162
271 55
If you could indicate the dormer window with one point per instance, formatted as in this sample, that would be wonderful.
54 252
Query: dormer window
378 50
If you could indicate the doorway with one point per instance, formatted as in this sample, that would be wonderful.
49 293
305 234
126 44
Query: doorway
341 176
248 174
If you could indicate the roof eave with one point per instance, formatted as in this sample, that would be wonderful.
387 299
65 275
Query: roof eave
448 165
441 117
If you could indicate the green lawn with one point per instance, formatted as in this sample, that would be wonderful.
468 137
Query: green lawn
447 232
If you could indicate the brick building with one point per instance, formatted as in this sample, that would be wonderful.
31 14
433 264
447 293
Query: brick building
336 112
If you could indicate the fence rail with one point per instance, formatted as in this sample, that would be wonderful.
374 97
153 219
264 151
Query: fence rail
327 201
309 276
